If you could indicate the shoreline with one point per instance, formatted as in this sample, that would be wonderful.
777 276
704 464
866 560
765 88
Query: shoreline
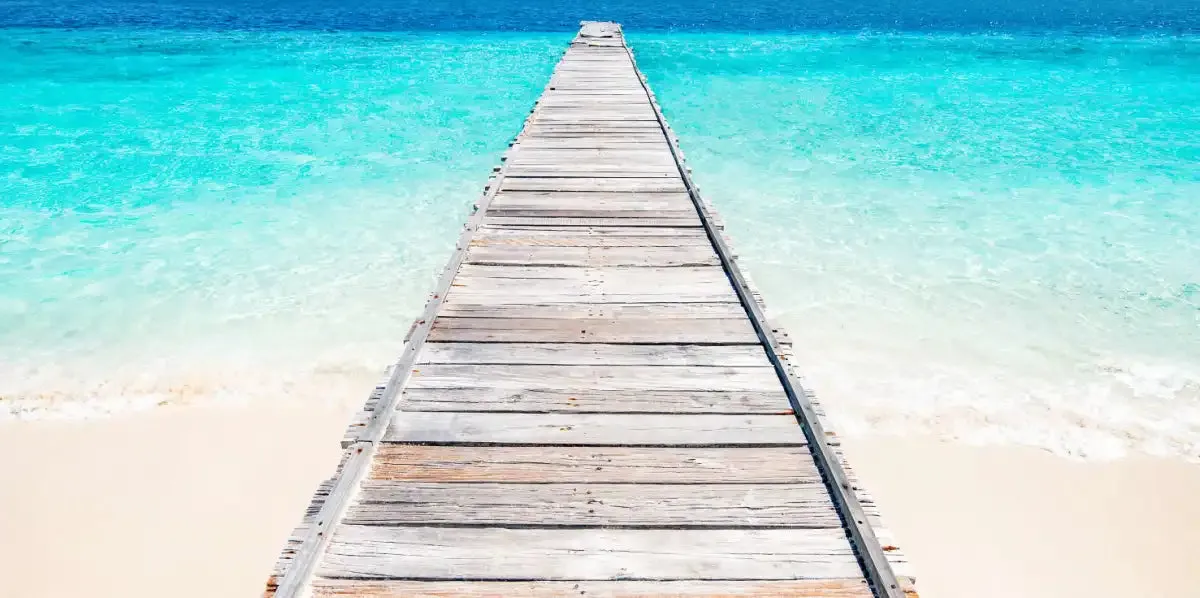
129 504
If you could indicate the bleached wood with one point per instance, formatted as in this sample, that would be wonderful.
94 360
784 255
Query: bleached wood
598 377
587 429
624 275
595 465
586 400
657 257
625 311
365 552
593 354
604 505
500 237
839 588
593 330
561 221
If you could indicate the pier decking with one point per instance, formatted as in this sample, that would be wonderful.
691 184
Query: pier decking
593 403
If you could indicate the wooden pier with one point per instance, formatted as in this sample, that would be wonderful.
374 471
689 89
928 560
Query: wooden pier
593 403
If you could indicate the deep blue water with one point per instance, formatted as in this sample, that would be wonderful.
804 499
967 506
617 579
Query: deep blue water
1128 16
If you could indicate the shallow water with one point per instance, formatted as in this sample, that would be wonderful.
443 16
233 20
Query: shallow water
992 238
986 237
197 214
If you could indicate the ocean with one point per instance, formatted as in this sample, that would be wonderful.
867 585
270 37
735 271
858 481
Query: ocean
978 223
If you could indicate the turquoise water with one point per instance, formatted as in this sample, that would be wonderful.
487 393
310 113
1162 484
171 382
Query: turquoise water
992 238
191 214
985 237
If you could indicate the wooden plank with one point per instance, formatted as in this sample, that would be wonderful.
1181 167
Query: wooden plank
583 237
606 213
593 330
598 354
602 377
594 231
594 143
572 116
623 275
656 257
611 200
595 465
834 588
606 505
586 429
512 291
592 184
610 159
607 165
602 102
550 155
372 552
592 171
586 400
555 221
719 311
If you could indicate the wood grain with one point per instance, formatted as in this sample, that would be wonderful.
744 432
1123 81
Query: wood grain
591 465
606 505
582 400
588 429
570 311
609 377
837 588
594 330
366 552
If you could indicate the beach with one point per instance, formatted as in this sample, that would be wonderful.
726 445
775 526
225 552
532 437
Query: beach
214 237
128 507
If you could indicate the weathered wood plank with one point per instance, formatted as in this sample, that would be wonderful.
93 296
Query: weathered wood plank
593 330
598 354
653 257
595 465
499 236
588 171
676 202
592 184
836 588
696 275
633 216
718 311
606 157
586 400
601 290
596 231
565 221
586 429
576 116
604 143
367 552
527 165
604 377
607 505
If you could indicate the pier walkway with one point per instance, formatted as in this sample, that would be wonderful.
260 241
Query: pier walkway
593 403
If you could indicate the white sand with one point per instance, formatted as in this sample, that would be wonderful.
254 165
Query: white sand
199 500
193 500
984 522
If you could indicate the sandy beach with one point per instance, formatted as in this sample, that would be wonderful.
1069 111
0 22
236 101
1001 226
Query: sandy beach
128 506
